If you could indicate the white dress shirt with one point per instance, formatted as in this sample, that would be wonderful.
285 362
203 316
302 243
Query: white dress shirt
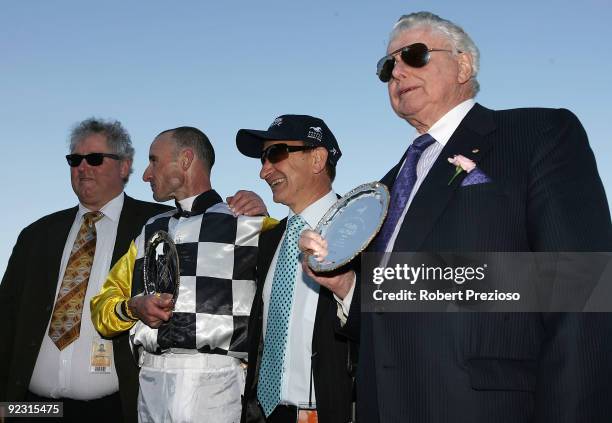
441 131
296 370
66 373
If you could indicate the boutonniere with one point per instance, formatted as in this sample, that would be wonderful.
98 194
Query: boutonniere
462 164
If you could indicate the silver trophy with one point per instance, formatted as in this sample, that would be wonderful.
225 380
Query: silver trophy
161 266
350 224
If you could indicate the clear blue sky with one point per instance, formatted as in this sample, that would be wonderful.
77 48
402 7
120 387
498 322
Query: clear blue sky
222 66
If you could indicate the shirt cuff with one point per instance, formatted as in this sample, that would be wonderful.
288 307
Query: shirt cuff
344 305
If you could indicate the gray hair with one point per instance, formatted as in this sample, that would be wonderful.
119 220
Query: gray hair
190 137
117 137
458 38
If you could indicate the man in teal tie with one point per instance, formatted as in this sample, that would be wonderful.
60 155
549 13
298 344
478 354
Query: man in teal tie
297 364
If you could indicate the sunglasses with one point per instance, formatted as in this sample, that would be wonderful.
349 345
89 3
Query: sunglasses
415 55
93 159
278 152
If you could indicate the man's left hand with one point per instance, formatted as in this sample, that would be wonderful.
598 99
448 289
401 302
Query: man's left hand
247 203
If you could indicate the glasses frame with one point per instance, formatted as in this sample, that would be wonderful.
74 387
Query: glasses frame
92 159
414 60
283 153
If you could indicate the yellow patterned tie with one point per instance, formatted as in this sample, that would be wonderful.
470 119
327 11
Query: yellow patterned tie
66 319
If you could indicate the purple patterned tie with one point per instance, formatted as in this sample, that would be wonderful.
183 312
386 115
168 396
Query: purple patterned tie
400 193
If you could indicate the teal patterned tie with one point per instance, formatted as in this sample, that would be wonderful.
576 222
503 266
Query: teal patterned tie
275 342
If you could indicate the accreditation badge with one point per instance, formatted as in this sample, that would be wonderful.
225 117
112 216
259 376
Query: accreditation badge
307 413
101 357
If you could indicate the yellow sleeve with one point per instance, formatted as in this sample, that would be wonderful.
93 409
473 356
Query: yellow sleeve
116 289
269 223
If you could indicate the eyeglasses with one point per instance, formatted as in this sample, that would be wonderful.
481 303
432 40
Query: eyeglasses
415 55
93 159
278 152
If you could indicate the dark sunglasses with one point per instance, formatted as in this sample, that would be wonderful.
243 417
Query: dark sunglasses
93 159
278 152
415 55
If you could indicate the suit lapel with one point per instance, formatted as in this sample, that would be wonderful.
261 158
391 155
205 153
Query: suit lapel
389 178
127 219
469 140
56 242
268 242
46 286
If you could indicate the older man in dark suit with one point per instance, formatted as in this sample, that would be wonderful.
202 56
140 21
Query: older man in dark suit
536 188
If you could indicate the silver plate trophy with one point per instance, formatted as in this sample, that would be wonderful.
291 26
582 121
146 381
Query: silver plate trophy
350 225
161 266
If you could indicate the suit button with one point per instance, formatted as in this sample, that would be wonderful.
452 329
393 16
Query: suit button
48 308
33 343
19 383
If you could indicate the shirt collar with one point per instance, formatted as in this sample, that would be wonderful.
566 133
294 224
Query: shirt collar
315 211
198 204
186 203
111 210
444 128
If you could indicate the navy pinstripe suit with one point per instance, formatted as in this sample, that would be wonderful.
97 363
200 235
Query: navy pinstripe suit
545 195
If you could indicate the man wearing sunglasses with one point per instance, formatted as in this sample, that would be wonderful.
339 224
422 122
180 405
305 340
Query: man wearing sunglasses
297 364
476 180
35 363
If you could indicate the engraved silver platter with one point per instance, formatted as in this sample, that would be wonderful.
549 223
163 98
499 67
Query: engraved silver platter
161 265
350 224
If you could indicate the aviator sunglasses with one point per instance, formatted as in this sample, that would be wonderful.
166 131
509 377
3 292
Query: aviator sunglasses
415 55
278 152
93 159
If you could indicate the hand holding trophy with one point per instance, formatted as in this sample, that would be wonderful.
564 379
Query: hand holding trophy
344 231
161 281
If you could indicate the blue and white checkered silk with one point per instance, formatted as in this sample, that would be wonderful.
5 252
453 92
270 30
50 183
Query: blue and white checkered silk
275 341
402 188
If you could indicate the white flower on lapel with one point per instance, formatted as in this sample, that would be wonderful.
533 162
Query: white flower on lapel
462 164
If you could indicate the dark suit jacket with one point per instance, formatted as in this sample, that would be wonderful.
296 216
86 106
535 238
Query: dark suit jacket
332 382
27 296
545 195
